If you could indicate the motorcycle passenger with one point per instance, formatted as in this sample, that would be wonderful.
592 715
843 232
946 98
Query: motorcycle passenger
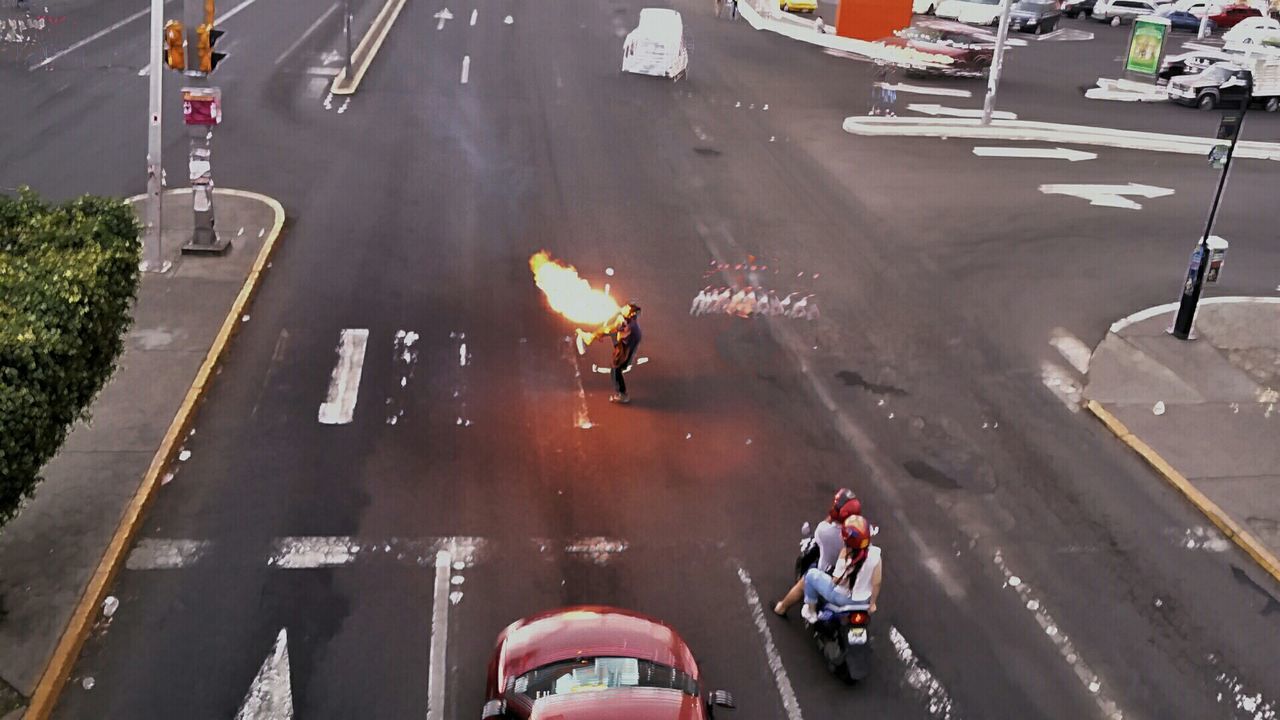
856 577
830 541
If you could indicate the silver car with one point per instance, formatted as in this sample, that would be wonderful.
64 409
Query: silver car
1118 11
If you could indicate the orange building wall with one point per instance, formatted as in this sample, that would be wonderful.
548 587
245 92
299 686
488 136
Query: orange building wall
872 19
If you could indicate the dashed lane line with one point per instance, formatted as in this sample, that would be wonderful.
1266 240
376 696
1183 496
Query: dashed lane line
780 677
339 406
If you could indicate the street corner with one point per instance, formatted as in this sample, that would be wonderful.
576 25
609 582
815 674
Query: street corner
1203 413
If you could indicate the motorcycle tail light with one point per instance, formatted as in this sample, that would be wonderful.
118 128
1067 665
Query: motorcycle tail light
859 618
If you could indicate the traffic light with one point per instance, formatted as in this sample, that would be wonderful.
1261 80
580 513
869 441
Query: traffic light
175 52
206 36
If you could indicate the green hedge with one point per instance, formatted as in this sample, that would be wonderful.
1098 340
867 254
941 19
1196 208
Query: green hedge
68 278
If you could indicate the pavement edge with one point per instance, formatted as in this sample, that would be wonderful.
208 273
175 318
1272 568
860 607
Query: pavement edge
1229 527
368 48
56 672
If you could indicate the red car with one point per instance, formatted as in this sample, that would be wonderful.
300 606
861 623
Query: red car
1231 16
968 50
592 662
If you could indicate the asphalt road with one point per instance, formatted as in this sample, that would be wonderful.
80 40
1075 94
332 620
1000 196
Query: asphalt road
1033 567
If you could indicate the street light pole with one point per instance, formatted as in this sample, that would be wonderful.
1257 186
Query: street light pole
993 77
1201 258
346 30
152 256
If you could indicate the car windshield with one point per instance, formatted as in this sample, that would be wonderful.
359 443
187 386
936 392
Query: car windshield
1217 73
601 673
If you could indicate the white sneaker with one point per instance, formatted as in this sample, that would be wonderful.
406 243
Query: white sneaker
809 613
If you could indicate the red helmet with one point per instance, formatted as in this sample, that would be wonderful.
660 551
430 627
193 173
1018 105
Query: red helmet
857 536
844 504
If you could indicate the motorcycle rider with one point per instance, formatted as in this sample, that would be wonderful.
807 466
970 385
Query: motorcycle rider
856 577
830 541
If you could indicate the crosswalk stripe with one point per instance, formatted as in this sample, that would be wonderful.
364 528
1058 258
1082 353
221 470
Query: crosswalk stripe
339 406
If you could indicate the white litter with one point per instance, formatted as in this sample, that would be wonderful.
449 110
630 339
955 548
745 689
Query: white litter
1158 408
110 605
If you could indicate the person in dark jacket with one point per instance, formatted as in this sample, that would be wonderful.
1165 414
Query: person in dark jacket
626 338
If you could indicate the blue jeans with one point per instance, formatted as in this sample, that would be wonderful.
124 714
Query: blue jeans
818 584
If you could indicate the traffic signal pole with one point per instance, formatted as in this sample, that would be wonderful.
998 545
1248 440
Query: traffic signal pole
997 64
152 255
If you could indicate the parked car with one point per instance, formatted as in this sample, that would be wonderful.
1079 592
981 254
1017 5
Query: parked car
1228 84
807 6
1253 31
1229 17
1076 8
1037 16
1118 11
1182 19
1190 63
972 12
592 662
959 49
924 7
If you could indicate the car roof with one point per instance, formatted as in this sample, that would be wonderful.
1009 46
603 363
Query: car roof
590 631
619 704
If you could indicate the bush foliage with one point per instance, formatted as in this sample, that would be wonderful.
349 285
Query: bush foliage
68 278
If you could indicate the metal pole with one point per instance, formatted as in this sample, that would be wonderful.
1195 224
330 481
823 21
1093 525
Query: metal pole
346 29
152 256
1190 300
1203 32
993 77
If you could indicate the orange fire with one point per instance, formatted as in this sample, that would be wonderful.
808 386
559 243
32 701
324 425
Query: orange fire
570 295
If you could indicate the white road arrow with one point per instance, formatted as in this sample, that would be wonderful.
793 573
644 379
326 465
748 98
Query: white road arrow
270 697
442 16
935 109
1035 152
1108 195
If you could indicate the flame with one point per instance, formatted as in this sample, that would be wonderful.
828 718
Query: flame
570 295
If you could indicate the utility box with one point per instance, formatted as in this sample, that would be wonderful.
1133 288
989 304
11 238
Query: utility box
1217 257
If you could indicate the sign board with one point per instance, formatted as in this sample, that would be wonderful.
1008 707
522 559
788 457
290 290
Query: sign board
1217 256
202 106
1146 45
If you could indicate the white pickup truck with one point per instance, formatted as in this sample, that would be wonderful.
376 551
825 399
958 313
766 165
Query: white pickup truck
1225 83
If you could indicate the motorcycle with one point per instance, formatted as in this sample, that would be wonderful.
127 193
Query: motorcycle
841 632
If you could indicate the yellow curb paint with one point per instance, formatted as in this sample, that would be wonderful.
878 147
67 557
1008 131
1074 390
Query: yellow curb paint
344 86
55 674
1229 527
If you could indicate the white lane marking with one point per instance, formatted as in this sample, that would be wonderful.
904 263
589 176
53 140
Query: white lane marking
439 638
232 12
474 13
1108 195
924 90
1060 382
441 17
165 554
1071 348
270 695
466 68
324 71
462 355
77 45
934 109
313 552
1199 538
598 550
919 677
404 360
1257 707
306 33
339 406
780 677
1087 677
1035 152
1151 312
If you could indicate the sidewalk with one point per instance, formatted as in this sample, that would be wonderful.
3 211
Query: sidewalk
1216 434
52 554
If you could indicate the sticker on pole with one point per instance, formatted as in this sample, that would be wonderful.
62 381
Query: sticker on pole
202 106
1146 45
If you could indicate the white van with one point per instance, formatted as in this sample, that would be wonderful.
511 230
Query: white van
656 46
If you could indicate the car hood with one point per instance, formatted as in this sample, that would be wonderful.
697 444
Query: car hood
589 631
619 704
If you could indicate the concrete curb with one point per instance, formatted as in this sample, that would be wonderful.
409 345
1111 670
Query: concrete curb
1229 527
1030 130
368 48
55 674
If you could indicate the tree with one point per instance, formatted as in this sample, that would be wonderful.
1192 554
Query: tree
68 278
